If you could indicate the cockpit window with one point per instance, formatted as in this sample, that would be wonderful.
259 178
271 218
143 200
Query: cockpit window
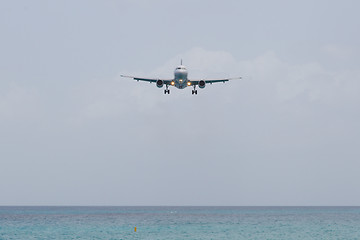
179 68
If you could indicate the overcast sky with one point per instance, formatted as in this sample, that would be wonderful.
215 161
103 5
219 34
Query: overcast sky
72 132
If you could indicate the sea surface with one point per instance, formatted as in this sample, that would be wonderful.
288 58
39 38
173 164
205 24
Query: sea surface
180 223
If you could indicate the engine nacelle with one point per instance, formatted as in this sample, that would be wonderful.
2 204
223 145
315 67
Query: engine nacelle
159 83
201 84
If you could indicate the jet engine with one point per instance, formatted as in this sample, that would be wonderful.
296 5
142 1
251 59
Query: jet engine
201 84
159 83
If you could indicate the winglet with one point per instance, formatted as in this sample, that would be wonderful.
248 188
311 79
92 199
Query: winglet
125 76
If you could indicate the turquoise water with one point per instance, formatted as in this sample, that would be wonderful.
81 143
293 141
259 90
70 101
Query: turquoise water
180 222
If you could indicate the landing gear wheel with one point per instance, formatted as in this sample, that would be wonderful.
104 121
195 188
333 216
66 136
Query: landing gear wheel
194 91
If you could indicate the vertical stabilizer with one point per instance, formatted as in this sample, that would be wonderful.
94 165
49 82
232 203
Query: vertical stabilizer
181 62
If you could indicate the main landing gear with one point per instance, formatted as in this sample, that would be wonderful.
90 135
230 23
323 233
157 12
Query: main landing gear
167 90
194 91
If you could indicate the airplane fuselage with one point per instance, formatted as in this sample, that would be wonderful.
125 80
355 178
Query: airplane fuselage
181 77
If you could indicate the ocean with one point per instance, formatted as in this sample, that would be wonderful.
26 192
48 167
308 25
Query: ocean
180 223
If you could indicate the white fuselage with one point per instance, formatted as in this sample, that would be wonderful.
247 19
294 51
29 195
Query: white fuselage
181 77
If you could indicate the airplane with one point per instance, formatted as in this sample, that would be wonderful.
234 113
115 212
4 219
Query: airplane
180 80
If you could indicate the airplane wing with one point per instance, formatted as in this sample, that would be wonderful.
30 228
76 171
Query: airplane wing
211 81
166 81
